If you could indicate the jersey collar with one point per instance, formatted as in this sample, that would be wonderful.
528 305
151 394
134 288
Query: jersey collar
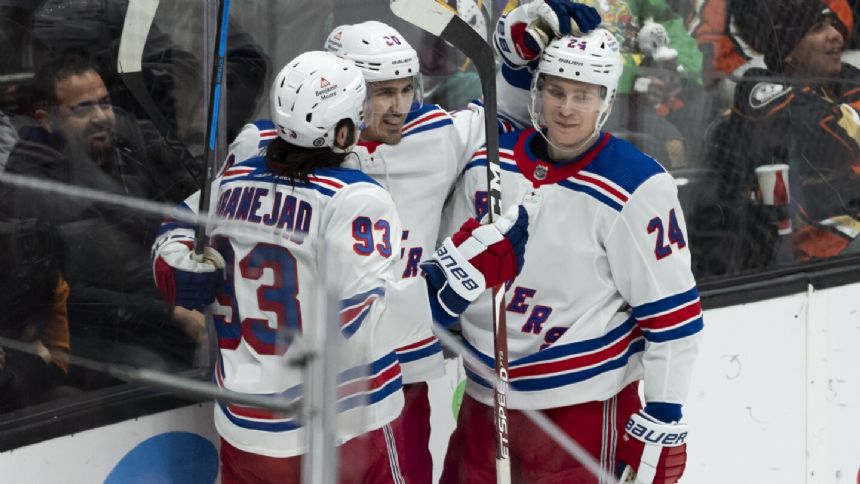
544 172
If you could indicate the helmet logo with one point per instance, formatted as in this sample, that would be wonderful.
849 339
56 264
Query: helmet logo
324 82
319 142
337 35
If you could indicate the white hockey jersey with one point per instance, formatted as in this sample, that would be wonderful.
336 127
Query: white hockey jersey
419 172
606 295
340 226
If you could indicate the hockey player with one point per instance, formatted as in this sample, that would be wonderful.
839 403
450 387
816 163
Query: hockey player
606 297
324 225
416 152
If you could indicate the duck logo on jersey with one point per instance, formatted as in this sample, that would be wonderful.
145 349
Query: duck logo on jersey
765 93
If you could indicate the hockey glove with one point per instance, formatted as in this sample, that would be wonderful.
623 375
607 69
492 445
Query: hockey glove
654 450
530 28
473 259
554 18
182 279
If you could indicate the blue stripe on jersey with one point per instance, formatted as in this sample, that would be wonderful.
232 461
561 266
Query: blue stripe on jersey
688 329
265 125
364 370
578 347
520 78
265 426
428 127
591 192
358 298
346 175
350 329
376 396
280 181
507 166
531 383
665 304
412 355
555 381
417 113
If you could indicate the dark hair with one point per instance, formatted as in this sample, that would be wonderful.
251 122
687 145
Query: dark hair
297 162
73 62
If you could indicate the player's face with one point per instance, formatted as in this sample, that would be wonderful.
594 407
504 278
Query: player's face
84 113
819 52
387 105
570 110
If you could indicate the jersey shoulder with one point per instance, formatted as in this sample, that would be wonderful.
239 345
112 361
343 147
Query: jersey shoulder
623 166
426 118
251 142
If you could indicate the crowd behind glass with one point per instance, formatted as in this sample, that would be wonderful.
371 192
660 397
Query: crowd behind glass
752 106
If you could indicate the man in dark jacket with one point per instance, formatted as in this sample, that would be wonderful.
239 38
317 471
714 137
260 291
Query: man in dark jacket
105 248
801 111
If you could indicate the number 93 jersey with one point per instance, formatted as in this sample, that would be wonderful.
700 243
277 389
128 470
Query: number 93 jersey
287 246
606 295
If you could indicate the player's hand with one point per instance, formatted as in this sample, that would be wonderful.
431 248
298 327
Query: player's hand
656 451
550 19
475 258
182 278
193 323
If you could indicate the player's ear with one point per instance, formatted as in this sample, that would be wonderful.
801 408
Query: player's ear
44 118
344 134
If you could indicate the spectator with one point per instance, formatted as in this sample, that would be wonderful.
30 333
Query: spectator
171 76
802 111
83 141
32 310
716 27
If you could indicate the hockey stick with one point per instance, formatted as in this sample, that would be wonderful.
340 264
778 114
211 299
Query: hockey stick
442 21
138 21
212 122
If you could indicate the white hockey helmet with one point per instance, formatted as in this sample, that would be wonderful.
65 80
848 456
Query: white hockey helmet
378 50
593 58
311 94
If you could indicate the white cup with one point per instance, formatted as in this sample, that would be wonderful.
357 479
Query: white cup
773 184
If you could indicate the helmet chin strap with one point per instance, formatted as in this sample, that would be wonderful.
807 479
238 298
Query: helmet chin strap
576 150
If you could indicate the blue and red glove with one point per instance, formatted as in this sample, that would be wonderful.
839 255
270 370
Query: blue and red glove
473 259
655 451
182 278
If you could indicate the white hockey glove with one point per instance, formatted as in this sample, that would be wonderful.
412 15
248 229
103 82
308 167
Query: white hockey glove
654 451
183 279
